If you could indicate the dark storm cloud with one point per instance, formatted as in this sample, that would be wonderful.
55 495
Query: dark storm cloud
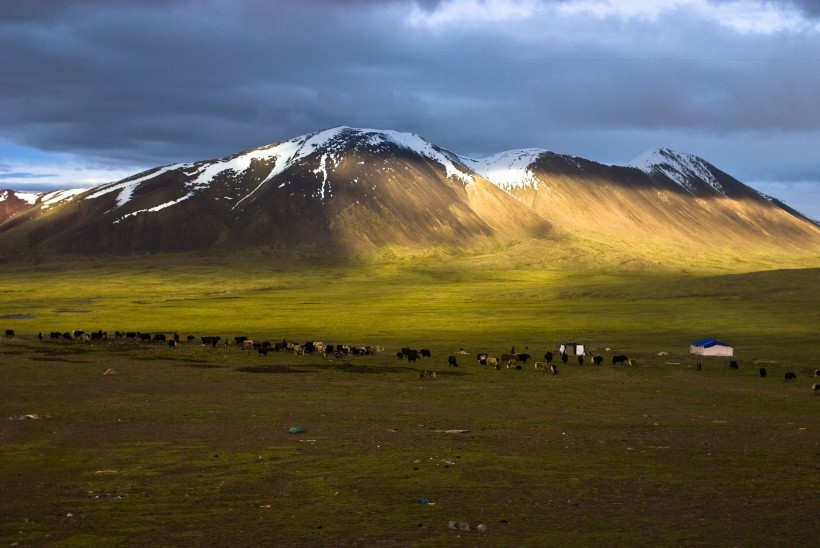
809 7
158 81
163 79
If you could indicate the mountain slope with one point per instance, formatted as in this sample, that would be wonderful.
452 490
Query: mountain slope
347 190
660 198
344 189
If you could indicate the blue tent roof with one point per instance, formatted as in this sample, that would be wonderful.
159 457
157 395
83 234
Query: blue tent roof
709 343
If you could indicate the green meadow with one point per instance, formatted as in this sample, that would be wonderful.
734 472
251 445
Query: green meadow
191 445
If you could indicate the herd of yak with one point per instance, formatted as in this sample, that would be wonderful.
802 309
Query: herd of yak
510 360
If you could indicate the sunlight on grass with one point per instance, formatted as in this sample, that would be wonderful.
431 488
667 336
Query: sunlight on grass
522 294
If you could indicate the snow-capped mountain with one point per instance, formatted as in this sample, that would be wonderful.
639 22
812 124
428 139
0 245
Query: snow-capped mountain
344 188
352 190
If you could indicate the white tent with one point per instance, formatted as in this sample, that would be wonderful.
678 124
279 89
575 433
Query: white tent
711 347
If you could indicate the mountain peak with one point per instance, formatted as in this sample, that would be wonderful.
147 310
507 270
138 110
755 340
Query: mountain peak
687 170
328 145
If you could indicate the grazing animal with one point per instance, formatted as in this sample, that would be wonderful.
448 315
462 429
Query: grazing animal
540 365
598 359
190 338
10 333
263 350
56 334
790 376
733 364
512 364
762 371
522 357
564 358
698 366
399 355
619 359
482 358
492 361
452 362
580 360
247 344
553 369
172 343
548 357
815 388
427 374
159 337
816 373
412 355
425 353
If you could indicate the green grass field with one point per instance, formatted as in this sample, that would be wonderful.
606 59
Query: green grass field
191 446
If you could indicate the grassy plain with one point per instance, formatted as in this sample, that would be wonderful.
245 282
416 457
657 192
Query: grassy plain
190 446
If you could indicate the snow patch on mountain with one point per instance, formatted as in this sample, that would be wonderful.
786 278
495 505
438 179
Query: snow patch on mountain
44 199
155 208
510 169
28 197
53 198
127 186
683 169
420 146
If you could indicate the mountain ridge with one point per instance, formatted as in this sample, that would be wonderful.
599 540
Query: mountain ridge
353 190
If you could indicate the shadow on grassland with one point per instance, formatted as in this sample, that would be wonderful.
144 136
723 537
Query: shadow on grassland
374 369
274 369
348 367
200 364
345 367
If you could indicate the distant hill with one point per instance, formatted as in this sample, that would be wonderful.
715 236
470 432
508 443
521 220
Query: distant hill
348 190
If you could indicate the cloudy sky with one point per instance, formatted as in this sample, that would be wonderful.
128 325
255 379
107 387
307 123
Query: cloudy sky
92 91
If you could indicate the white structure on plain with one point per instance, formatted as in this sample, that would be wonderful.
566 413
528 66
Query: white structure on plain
711 347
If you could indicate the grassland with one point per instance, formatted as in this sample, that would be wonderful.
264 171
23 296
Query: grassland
191 446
